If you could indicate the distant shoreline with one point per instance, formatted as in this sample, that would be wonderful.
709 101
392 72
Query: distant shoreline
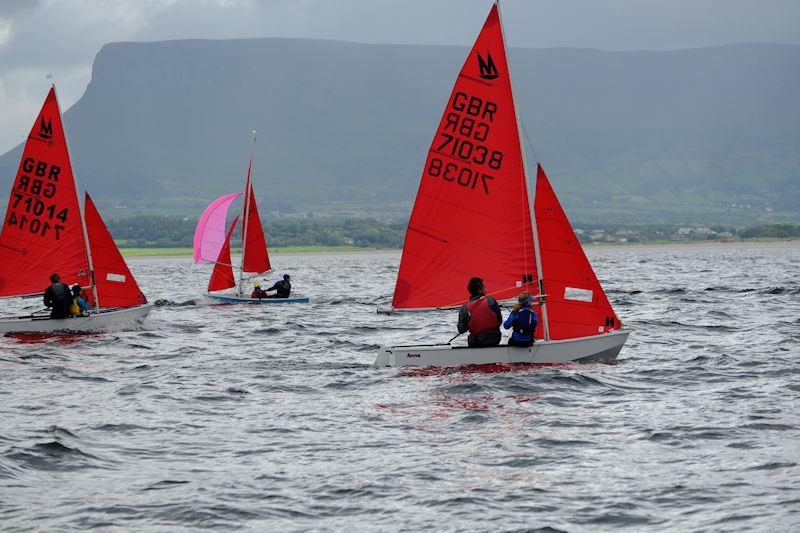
759 240
179 252
174 252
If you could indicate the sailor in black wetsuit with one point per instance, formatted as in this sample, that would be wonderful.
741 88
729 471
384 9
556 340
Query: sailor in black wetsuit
58 297
282 288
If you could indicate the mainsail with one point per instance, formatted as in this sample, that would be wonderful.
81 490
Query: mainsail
211 229
115 284
42 233
577 306
254 246
222 275
471 216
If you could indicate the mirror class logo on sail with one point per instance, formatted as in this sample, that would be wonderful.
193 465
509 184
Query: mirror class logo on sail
45 129
463 152
487 68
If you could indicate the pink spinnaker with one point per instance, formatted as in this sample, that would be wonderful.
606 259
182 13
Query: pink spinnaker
211 229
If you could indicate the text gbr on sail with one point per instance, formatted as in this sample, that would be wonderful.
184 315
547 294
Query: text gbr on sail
40 169
26 210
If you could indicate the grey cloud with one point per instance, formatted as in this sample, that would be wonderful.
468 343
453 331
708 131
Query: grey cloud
11 8
63 36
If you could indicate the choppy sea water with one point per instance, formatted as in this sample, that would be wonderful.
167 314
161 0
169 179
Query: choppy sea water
271 417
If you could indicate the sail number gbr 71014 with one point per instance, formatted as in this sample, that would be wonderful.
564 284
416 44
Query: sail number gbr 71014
31 208
459 144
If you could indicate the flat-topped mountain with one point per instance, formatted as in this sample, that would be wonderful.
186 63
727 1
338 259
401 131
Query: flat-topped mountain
167 124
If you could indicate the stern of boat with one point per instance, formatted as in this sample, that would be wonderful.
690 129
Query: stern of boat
384 357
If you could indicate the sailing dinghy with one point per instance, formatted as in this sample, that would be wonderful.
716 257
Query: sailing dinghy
46 231
212 244
472 217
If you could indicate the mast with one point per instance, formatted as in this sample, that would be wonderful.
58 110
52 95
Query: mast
81 206
530 190
247 193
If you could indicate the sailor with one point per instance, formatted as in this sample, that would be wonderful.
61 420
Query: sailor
257 292
58 297
480 316
79 306
282 288
524 321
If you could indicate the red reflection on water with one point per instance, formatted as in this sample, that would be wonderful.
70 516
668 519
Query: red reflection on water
492 368
523 398
448 401
444 405
41 338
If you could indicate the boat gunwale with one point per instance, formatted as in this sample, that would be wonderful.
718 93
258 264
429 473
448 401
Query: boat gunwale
540 342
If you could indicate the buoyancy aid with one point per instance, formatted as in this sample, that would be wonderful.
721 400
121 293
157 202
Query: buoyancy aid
481 317
62 295
285 290
74 308
525 323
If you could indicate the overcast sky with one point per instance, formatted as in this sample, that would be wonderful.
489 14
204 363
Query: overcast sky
62 36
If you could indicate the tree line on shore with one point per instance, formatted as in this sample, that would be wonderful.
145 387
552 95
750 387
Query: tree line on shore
159 231
162 231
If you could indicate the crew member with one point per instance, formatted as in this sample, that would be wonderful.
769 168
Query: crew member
257 292
58 297
79 306
480 316
524 321
282 288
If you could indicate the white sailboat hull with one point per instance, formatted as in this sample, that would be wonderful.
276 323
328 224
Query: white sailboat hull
106 320
597 348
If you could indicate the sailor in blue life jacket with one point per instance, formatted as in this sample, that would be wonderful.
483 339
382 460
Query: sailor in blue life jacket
480 316
58 297
282 287
524 321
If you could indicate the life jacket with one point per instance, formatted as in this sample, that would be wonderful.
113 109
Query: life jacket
74 308
62 295
285 290
525 323
481 318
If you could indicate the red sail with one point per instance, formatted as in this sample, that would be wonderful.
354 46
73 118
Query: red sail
576 303
255 257
42 232
116 286
222 276
471 216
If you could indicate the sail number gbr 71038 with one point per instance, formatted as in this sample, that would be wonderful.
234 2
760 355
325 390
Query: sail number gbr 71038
459 144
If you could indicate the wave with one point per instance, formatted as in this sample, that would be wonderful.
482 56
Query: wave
171 303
